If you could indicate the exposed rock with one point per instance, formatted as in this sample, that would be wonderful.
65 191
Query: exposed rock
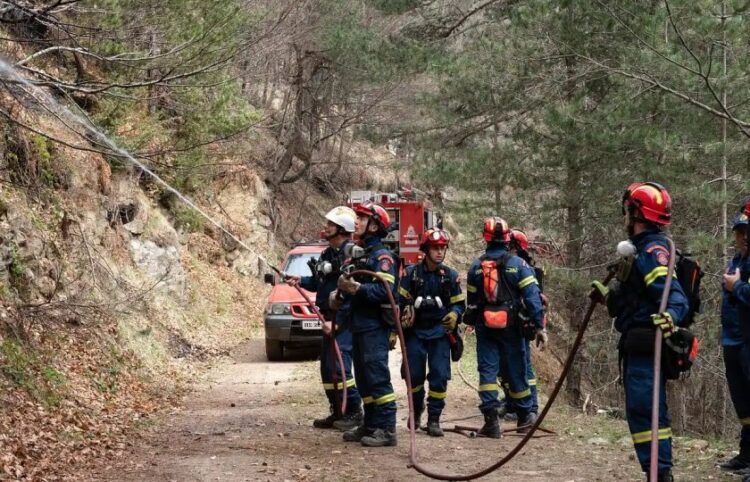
162 264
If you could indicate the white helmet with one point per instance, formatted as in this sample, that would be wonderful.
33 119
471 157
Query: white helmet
342 216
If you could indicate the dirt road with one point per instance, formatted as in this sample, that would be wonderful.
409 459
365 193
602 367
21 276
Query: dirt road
253 422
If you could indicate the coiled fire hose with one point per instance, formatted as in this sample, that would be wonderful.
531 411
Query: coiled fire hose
335 346
412 431
658 340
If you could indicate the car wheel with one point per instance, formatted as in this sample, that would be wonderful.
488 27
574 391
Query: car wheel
274 350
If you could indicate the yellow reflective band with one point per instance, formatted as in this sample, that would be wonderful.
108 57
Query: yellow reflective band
529 280
657 273
438 395
745 421
471 289
391 397
417 389
457 298
330 386
523 394
388 277
532 382
367 400
645 436
489 387
404 293
478 271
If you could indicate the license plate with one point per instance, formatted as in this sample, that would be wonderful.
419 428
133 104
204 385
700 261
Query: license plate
311 324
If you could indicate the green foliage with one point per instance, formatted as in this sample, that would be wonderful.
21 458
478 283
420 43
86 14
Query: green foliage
188 219
15 363
27 371
17 266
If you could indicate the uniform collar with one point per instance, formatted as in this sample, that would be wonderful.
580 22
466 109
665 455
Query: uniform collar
371 241
426 270
640 238
496 249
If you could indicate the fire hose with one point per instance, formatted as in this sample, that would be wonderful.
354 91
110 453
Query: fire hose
658 340
334 346
414 463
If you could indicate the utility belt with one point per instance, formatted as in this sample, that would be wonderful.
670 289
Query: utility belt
679 351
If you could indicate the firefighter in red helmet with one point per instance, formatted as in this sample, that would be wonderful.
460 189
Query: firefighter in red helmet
496 284
432 305
519 246
371 322
634 303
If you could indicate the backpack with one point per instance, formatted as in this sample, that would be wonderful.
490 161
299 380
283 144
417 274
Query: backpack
689 274
500 308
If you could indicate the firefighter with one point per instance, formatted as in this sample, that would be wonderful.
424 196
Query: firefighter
371 324
519 246
736 283
432 304
495 284
634 303
735 342
338 232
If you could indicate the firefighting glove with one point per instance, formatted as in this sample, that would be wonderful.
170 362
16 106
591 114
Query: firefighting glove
392 340
449 321
407 316
346 284
664 322
599 292
334 300
541 339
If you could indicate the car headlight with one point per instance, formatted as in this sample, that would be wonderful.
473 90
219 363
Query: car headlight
280 309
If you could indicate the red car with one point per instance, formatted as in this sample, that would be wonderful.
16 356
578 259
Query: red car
289 321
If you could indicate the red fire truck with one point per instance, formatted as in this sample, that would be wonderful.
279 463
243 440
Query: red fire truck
410 212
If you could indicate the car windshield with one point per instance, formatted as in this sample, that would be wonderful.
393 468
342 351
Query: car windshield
296 264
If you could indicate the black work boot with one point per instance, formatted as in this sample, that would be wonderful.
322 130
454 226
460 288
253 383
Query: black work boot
737 463
504 410
526 421
491 427
418 411
381 437
349 421
433 426
665 476
356 434
326 422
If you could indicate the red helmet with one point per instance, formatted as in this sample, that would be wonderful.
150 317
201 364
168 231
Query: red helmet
434 237
651 199
496 229
376 212
745 208
519 238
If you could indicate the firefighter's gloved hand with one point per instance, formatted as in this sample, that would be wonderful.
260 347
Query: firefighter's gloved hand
346 284
392 340
334 300
449 321
599 292
664 322
292 280
541 339
407 316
